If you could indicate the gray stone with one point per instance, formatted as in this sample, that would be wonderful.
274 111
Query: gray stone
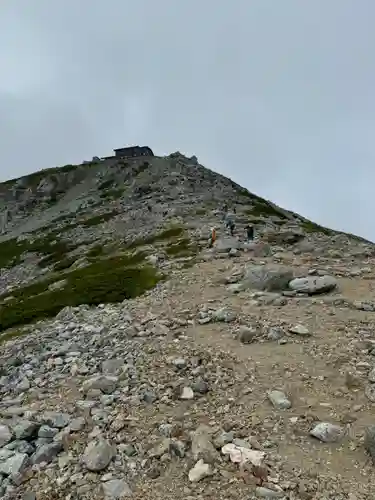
105 384
29 495
312 285
77 424
15 465
300 330
97 455
279 400
224 315
149 397
56 419
275 333
25 429
112 366
5 435
200 386
369 441
116 489
201 444
224 245
262 492
47 432
270 278
247 335
326 432
46 453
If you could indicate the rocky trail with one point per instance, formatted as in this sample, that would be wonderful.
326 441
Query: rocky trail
147 399
247 373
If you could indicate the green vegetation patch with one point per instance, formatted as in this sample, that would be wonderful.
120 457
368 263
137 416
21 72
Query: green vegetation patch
12 334
106 184
110 280
311 227
99 219
263 208
182 248
53 250
112 194
165 235
64 264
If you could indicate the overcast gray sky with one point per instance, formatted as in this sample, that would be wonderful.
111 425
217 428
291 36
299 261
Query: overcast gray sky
276 94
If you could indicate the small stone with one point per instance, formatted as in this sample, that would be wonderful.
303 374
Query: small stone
25 429
56 419
47 452
369 441
224 315
326 432
149 397
247 335
199 471
29 495
200 386
262 492
77 424
179 363
177 448
187 393
116 489
105 384
279 400
24 385
15 465
275 333
299 330
371 376
5 435
112 366
98 455
47 432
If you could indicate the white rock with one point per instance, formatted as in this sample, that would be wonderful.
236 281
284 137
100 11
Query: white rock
187 393
299 330
199 471
241 455
279 400
326 432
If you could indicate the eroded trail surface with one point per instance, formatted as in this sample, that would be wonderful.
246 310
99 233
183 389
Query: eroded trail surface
145 399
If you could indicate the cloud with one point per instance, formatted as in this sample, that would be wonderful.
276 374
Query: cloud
277 95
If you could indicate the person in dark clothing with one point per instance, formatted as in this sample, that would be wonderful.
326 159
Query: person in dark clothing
232 226
250 232
149 208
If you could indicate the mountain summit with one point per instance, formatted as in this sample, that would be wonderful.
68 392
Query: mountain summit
138 361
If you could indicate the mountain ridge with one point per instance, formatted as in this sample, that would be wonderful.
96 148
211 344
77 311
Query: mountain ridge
138 362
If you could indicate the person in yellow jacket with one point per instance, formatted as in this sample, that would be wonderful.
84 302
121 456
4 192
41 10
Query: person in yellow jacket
212 237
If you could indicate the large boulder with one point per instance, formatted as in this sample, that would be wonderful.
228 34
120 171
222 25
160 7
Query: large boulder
312 285
223 245
283 237
269 278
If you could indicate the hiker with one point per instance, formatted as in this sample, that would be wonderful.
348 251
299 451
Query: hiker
149 208
231 226
249 232
225 211
212 238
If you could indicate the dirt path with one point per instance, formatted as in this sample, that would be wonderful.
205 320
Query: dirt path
310 370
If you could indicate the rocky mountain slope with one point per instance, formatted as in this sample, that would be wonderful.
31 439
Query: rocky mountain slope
138 363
